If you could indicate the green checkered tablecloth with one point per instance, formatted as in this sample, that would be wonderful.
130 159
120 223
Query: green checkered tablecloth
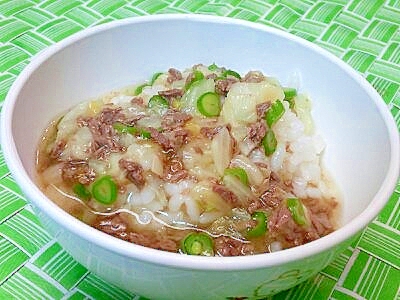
364 33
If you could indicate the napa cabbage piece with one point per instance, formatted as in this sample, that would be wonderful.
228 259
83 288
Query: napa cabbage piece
67 125
78 145
111 167
241 190
198 88
229 225
254 174
147 155
52 175
240 104
303 111
221 149
150 91
210 204
200 165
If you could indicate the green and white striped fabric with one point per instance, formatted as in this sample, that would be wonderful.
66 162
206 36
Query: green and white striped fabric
364 33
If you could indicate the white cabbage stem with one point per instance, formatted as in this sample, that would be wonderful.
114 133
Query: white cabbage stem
221 149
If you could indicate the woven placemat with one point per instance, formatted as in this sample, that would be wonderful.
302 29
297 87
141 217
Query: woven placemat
364 33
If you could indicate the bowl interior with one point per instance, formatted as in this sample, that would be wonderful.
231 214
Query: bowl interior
344 109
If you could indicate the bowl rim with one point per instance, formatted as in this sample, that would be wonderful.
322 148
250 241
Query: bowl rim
153 256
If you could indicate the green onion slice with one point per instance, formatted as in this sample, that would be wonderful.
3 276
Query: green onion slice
209 104
81 191
274 113
140 88
269 143
144 134
231 73
290 93
157 101
239 173
124 128
296 209
261 225
197 75
105 190
198 244
291 102
155 76
213 67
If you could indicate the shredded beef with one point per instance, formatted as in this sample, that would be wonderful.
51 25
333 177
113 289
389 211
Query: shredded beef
189 79
159 138
170 140
174 169
282 227
262 108
321 223
211 76
57 149
113 225
257 131
320 214
173 119
117 226
210 132
172 94
137 101
149 240
77 171
222 86
269 198
253 76
279 218
82 122
178 137
316 206
111 115
132 120
173 75
227 246
227 195
105 139
176 176
134 171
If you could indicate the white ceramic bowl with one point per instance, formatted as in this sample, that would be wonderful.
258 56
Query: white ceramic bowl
362 143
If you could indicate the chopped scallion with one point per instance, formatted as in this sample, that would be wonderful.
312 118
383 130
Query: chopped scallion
124 128
140 88
239 173
144 134
296 209
154 77
158 101
261 225
209 104
105 190
232 73
274 113
290 93
213 67
197 75
269 143
81 191
198 244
